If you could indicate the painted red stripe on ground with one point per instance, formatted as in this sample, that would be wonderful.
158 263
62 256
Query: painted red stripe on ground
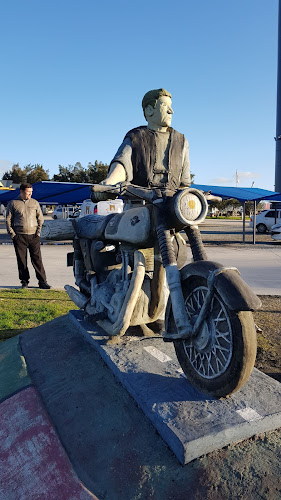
33 463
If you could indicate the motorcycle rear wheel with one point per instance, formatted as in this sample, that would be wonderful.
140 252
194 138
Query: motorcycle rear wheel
220 359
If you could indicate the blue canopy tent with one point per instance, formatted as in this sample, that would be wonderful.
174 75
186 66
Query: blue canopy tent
69 193
53 193
241 194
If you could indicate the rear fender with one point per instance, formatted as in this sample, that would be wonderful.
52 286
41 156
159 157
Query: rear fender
236 294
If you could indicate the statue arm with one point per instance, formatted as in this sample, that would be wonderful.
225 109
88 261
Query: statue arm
121 168
117 173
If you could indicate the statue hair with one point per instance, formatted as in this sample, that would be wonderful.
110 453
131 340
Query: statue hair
152 96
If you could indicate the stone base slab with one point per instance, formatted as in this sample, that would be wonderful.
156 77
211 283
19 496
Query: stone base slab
191 423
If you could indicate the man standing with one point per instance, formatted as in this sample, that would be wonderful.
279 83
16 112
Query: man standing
24 220
155 155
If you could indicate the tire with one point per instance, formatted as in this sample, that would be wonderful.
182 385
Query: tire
55 217
261 228
220 359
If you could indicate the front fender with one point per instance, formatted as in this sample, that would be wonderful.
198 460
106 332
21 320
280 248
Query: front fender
236 294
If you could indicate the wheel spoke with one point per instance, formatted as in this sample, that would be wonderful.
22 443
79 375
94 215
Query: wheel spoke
223 336
221 348
210 367
211 355
217 361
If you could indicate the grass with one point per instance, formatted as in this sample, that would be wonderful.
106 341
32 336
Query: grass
24 309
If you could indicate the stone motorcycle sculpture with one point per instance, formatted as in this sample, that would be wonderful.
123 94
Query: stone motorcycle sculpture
126 269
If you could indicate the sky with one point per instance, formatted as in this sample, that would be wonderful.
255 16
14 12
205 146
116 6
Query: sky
73 74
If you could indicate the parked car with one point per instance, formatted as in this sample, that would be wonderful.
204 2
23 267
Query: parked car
87 208
61 212
276 232
266 219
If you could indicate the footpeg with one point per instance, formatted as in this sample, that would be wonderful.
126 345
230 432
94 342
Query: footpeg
170 337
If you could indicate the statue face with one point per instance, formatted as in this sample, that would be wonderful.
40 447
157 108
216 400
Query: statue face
161 115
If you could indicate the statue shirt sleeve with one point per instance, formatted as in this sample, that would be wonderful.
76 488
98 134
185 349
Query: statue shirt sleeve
124 156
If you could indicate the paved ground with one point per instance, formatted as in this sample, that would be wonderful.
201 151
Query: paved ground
54 259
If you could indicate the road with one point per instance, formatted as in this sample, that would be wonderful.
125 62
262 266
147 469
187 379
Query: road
230 232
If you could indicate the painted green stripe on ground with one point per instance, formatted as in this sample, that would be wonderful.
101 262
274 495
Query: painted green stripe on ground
13 370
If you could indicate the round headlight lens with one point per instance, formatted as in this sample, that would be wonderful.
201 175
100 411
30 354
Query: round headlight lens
190 206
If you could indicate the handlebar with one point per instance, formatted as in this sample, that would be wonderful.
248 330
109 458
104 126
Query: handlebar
101 188
133 191
128 190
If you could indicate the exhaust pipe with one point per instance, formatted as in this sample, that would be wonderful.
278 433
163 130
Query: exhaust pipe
79 299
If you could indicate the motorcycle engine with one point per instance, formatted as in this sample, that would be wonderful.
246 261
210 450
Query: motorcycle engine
189 208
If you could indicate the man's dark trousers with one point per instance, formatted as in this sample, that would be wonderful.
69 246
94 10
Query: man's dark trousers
22 242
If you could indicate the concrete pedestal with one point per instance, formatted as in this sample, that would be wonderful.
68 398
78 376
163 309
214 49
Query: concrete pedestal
190 423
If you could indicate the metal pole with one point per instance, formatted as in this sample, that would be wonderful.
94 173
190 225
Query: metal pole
254 223
244 219
278 111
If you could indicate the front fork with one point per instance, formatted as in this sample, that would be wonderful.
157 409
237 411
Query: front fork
196 244
184 327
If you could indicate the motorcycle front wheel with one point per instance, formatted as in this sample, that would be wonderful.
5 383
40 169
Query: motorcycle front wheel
220 359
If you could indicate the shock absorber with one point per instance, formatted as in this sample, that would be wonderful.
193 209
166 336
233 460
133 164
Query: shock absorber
166 247
196 244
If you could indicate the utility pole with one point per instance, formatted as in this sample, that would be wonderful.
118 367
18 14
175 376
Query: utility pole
278 112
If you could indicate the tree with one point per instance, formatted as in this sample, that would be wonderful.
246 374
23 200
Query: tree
79 173
249 207
36 173
65 174
97 172
16 174
29 173
223 205
93 173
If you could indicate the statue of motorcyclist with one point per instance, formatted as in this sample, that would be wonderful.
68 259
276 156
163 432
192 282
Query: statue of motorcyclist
155 155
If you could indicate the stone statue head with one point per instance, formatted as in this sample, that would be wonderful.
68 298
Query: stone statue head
157 108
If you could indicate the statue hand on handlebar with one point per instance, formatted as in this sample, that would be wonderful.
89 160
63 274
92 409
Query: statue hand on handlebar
103 192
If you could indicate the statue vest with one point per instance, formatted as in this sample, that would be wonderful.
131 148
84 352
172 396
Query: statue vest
144 156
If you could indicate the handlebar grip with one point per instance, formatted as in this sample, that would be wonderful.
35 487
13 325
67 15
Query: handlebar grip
97 196
101 188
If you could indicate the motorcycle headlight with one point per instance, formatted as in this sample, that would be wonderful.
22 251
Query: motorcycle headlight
190 207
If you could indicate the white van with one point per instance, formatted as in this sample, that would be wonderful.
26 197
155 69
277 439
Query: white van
101 208
265 220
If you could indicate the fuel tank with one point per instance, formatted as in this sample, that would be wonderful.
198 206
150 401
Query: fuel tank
131 226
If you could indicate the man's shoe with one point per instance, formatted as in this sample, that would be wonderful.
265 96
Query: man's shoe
44 286
24 284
